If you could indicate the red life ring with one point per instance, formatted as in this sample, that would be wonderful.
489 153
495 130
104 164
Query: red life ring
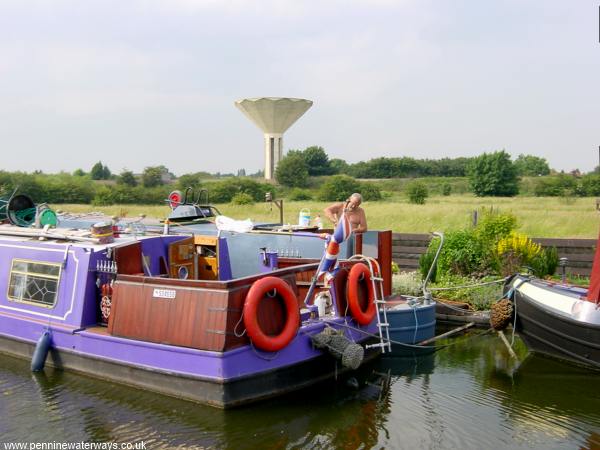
359 274
257 292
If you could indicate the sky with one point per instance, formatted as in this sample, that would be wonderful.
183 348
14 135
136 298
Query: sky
142 83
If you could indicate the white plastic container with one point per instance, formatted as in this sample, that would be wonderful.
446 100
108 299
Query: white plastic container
304 217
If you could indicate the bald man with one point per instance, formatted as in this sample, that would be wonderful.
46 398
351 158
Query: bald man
355 214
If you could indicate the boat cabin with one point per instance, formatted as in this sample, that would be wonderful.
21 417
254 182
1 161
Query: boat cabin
184 290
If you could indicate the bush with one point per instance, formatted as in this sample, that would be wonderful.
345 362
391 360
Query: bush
547 263
494 226
223 191
370 191
555 186
493 174
298 194
446 189
417 192
103 197
469 252
338 188
479 298
426 260
242 198
516 251
407 283
292 171
590 185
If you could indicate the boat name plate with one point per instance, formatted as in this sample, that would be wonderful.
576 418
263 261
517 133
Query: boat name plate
164 293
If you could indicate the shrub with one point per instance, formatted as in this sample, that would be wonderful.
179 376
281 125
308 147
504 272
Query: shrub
446 189
469 252
298 194
407 283
555 186
395 268
292 171
223 191
370 191
417 192
242 198
103 196
480 297
493 226
515 251
338 188
493 174
426 260
590 185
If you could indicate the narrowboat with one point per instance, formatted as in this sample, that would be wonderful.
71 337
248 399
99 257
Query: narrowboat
558 319
218 317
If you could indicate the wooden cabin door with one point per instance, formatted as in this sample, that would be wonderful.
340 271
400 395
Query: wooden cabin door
182 259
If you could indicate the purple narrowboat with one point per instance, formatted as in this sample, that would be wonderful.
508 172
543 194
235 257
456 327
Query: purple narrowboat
218 317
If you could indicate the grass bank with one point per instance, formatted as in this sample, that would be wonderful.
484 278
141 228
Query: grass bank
537 216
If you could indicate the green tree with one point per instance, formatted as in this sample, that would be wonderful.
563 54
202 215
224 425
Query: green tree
529 165
338 166
127 178
193 180
317 161
493 174
79 173
97 172
106 174
292 171
152 176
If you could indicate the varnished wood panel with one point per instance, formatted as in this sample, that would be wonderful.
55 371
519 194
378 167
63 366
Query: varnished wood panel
129 259
385 260
196 317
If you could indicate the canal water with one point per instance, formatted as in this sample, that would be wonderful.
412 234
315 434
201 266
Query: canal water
470 394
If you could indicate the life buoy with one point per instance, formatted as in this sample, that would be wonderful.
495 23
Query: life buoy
360 274
256 294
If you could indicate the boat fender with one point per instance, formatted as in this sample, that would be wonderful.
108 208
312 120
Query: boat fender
340 347
501 314
258 291
359 273
41 351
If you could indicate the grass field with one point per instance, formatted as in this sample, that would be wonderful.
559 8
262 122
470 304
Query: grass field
536 216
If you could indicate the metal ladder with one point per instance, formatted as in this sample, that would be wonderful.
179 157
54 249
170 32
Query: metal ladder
383 325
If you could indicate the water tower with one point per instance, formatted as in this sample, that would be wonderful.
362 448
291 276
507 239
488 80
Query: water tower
273 115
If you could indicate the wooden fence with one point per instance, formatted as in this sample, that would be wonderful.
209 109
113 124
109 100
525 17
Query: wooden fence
407 248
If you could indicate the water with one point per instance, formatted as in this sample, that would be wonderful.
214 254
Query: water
468 395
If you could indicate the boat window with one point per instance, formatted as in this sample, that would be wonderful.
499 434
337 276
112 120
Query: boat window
34 282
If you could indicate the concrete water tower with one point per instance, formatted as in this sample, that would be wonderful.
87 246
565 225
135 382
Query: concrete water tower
273 115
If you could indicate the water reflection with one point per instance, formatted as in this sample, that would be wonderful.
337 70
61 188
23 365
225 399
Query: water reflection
470 395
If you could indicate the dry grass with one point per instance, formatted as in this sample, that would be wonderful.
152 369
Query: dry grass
536 216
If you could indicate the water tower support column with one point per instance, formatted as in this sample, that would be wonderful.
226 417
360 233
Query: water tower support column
273 153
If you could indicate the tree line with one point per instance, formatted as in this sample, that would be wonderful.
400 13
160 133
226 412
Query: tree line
308 174
298 165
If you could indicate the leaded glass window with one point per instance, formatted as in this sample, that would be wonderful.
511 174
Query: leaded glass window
34 282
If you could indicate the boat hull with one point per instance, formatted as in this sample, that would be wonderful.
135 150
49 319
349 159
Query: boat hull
551 332
219 393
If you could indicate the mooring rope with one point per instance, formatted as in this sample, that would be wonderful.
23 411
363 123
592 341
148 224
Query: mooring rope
435 347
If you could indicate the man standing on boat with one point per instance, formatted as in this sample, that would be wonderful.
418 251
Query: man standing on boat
351 208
